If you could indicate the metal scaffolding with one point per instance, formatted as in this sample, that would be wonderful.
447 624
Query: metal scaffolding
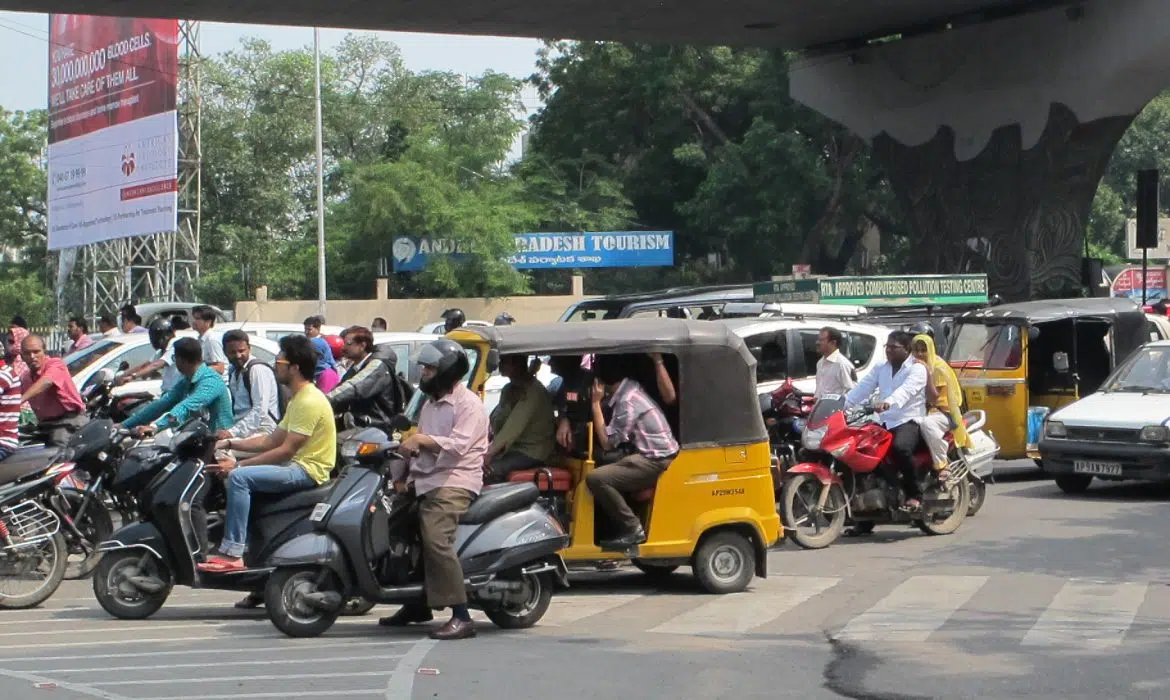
161 266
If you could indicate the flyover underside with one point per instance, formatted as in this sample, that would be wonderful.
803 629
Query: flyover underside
1017 213
995 137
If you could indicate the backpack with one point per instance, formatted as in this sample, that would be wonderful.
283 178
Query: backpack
283 393
405 392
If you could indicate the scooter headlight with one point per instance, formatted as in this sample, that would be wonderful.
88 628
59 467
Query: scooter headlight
349 449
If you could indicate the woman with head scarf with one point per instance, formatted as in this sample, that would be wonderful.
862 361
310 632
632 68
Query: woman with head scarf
325 374
943 399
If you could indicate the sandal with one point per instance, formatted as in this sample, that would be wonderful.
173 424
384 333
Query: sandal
253 601
220 565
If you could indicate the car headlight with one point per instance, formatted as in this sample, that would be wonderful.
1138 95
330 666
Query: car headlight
1055 429
1155 433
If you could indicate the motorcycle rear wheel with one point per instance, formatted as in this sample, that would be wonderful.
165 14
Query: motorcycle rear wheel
952 522
978 489
57 554
96 526
803 489
539 588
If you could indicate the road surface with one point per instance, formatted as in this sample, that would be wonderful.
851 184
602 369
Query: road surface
1041 595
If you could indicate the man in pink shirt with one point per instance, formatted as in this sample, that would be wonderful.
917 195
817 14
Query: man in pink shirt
51 393
447 471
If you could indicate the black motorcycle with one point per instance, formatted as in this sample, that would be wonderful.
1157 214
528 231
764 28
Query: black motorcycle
142 562
364 540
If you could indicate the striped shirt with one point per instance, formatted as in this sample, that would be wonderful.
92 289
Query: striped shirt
638 420
9 408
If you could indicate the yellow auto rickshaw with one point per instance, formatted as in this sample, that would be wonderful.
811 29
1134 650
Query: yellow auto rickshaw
1018 362
714 508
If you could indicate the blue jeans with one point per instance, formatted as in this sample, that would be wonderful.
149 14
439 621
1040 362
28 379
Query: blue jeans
241 483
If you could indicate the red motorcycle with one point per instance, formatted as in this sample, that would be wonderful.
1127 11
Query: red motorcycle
846 485
786 411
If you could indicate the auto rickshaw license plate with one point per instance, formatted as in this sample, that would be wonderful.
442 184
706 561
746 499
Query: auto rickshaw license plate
1102 468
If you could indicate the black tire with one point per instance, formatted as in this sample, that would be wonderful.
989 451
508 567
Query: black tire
287 615
96 525
725 562
1039 463
123 601
978 489
955 519
522 617
59 551
356 607
655 572
836 519
1073 483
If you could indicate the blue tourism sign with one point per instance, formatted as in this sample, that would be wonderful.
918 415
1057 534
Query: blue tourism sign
543 251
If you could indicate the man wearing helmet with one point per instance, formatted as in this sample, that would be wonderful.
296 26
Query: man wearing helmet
447 470
162 338
504 319
453 318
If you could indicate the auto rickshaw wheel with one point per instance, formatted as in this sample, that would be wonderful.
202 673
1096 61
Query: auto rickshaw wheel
725 562
655 572
952 522
1073 483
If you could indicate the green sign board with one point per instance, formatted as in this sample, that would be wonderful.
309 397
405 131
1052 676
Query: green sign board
786 291
910 290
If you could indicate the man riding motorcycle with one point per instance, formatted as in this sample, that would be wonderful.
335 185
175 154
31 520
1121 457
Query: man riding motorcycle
371 388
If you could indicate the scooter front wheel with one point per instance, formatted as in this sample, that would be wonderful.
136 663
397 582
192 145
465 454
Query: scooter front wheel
287 598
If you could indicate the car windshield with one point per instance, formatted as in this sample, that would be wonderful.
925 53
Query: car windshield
77 361
1146 372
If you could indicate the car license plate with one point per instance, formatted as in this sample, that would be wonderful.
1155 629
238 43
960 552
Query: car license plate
1101 468
319 512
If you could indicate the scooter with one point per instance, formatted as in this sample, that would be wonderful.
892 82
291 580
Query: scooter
142 562
365 541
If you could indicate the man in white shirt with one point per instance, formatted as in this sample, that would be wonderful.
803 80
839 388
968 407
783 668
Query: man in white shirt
203 320
835 373
255 394
901 385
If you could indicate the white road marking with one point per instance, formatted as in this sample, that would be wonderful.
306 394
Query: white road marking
565 610
75 687
400 685
317 693
1085 614
243 679
292 645
107 642
736 613
218 664
914 610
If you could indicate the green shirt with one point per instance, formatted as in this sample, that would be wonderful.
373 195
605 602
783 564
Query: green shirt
524 421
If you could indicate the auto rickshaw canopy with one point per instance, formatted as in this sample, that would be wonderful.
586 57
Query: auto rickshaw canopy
717 398
1126 317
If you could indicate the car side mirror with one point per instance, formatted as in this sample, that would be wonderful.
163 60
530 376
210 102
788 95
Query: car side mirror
493 360
1060 361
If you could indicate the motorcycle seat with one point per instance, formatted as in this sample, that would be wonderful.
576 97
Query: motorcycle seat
501 499
263 505
26 462
562 479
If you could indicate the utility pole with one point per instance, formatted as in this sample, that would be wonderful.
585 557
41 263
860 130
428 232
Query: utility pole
320 178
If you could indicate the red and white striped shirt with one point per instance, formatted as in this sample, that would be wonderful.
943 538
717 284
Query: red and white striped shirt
638 420
9 408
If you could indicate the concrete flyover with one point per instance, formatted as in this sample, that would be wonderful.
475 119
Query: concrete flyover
995 118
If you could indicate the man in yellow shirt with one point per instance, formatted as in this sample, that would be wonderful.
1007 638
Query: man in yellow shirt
298 455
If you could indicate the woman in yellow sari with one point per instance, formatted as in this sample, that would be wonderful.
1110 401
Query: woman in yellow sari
943 401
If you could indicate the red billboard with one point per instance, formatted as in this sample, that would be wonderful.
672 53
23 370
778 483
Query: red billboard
109 70
113 146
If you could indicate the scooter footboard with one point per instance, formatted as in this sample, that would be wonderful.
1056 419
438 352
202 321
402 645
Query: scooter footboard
144 536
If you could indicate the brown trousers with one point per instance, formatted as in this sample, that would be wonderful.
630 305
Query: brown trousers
627 475
438 515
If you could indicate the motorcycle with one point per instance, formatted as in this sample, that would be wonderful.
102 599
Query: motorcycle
365 541
845 482
31 541
143 561
786 411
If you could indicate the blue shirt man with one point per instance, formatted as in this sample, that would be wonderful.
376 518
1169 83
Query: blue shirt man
200 388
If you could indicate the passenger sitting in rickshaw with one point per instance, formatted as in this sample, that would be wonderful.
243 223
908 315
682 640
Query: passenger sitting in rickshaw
523 425
639 432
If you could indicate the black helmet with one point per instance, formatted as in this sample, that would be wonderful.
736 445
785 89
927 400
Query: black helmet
504 319
922 328
160 332
454 319
450 362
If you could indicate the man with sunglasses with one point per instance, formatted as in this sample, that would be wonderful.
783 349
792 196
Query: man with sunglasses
900 382
371 387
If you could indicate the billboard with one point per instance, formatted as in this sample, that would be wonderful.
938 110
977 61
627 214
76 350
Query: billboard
113 131
908 290
1130 282
543 251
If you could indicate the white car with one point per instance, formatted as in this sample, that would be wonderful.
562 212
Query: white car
1120 432
786 348
273 331
127 351
438 327
406 348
